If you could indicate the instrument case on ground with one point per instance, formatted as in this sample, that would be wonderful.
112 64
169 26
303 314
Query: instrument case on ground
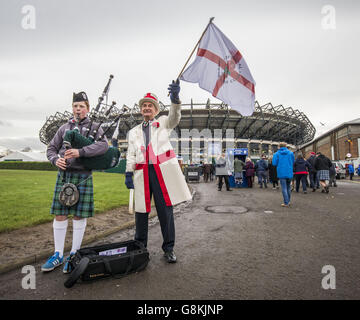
115 259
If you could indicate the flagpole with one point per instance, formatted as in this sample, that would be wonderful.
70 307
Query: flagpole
187 61
192 52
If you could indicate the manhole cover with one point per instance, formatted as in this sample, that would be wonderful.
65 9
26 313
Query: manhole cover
226 209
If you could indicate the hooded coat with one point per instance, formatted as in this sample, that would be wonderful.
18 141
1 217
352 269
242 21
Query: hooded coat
160 153
301 166
284 160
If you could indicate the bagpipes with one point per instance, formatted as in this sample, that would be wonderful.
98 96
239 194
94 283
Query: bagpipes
73 138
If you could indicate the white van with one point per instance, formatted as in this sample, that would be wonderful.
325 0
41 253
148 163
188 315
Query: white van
340 170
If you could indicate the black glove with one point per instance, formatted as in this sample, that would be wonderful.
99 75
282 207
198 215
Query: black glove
174 89
129 180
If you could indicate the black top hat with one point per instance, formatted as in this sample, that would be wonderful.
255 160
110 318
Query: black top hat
81 96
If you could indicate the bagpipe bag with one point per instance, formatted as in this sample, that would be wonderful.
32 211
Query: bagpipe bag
102 162
99 262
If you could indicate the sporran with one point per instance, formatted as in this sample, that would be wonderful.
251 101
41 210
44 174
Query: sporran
69 195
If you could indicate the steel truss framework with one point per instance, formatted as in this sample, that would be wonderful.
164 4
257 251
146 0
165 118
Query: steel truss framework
268 122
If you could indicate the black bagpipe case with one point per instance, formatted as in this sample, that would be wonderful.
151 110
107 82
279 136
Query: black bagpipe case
115 259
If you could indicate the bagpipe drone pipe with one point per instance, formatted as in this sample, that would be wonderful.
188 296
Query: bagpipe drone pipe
103 114
73 138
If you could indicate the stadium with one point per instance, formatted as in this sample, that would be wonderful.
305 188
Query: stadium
204 125
206 129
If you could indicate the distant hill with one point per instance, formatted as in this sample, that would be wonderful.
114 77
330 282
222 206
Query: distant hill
4 151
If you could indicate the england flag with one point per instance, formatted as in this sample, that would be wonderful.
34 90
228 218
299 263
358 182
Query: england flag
220 69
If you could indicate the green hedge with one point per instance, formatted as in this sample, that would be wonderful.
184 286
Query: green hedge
47 166
27 165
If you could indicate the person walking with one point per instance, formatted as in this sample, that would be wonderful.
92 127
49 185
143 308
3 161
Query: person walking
207 171
238 169
284 160
351 170
332 173
322 166
314 181
249 172
301 171
261 168
273 174
222 172
152 162
212 170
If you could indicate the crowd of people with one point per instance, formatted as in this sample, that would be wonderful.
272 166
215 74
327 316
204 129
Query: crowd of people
284 169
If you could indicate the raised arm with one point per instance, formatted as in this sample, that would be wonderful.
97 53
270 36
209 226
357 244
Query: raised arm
174 116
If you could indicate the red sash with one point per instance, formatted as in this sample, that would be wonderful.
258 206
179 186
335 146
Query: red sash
155 161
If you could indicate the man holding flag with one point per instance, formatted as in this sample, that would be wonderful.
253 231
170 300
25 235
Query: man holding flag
220 69
152 169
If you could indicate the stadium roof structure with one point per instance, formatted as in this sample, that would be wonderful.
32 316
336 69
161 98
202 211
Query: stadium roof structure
268 122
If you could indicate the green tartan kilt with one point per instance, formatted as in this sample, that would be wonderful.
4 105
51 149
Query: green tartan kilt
84 208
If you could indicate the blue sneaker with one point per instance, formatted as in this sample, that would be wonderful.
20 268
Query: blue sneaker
68 267
52 262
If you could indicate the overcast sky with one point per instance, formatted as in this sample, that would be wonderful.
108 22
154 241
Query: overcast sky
301 54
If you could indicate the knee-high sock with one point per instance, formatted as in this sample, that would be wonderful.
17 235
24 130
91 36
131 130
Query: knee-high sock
59 235
79 227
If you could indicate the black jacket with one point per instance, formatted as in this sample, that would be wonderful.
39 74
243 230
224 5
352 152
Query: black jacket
311 160
322 163
272 173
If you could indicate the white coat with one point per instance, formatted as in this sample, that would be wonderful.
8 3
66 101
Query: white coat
162 156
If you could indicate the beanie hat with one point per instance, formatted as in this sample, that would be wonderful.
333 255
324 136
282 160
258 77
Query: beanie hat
150 97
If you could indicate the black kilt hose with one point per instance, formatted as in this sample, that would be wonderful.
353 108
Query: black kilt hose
84 208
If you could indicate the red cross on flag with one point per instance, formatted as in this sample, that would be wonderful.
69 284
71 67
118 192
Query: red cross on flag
221 69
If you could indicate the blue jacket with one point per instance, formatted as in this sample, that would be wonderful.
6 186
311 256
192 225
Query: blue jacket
284 160
261 165
351 168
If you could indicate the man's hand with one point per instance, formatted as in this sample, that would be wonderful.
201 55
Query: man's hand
174 89
129 180
71 153
61 163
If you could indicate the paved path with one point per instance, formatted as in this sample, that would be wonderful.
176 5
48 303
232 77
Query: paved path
261 251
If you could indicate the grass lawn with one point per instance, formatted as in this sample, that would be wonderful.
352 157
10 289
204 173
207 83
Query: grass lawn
26 196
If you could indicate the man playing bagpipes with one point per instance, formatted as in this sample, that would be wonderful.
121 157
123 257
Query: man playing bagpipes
152 169
74 186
